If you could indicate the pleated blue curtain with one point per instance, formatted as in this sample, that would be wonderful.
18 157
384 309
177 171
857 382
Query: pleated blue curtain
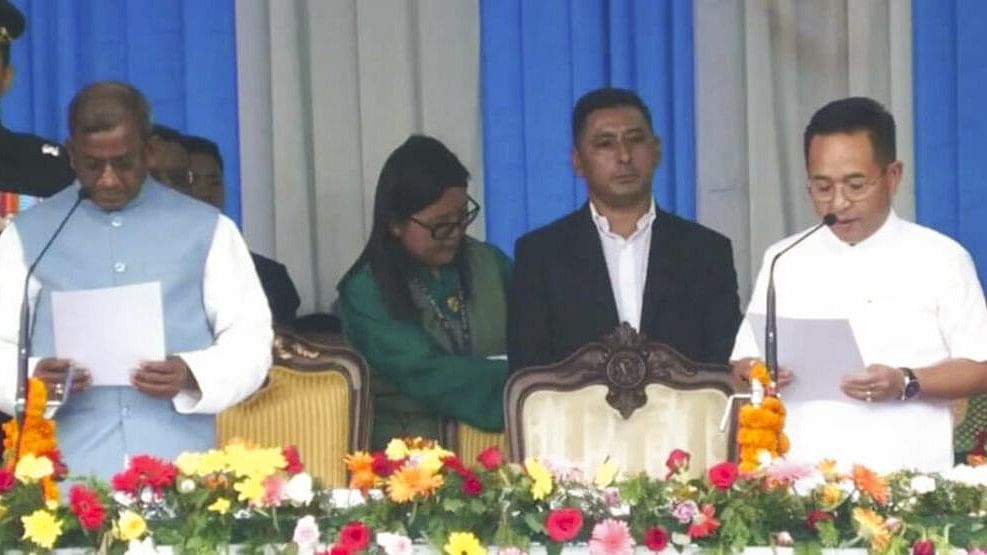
180 53
537 59
950 77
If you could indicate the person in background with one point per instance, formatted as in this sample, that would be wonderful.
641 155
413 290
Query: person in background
169 161
205 165
29 165
910 294
128 230
620 258
425 303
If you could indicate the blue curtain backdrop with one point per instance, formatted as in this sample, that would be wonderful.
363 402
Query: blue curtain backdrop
180 53
537 59
950 77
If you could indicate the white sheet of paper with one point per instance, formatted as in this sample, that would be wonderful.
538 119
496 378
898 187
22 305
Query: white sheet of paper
111 330
818 351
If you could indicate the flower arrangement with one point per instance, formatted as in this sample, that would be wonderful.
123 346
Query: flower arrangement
761 424
416 491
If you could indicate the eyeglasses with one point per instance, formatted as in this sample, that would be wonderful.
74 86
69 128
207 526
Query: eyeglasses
855 189
445 230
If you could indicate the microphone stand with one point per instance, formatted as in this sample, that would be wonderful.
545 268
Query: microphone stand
770 317
26 333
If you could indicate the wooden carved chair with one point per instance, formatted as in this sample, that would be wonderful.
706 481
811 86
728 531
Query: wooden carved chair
316 397
626 398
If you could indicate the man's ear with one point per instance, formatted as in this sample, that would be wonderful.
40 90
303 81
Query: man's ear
71 152
577 164
894 172
6 78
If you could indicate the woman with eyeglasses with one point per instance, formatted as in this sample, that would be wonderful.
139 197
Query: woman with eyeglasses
426 304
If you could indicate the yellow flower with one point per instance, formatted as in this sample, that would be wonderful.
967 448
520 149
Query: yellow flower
42 528
251 489
30 468
221 506
870 527
213 461
540 476
396 450
832 495
188 463
431 459
410 482
605 474
130 526
254 463
464 543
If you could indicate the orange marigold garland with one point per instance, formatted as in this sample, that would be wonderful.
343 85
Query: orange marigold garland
761 423
39 437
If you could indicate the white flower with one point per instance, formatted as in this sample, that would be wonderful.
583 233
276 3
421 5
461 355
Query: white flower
967 475
306 534
922 484
146 495
394 544
298 490
186 486
123 499
679 538
141 547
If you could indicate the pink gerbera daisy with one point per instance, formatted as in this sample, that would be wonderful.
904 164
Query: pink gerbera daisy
611 537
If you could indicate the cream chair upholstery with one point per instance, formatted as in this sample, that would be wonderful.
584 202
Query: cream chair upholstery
316 398
624 398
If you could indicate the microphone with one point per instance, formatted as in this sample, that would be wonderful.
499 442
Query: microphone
26 329
771 319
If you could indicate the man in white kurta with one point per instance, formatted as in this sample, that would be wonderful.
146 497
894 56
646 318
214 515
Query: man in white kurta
128 229
911 296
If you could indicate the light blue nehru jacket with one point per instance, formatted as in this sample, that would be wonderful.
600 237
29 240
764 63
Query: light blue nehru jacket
161 236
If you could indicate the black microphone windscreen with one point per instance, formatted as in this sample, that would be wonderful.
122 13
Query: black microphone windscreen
829 219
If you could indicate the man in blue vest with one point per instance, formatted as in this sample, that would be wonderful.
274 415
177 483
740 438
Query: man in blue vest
130 229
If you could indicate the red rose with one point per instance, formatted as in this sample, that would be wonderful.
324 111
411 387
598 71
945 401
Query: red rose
924 547
678 460
491 458
453 463
564 524
815 517
382 466
339 550
723 475
656 539
7 480
294 460
87 507
355 536
472 485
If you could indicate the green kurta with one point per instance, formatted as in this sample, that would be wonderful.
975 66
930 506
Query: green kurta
415 377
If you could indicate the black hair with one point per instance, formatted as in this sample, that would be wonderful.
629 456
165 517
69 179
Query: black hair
201 145
605 98
414 176
104 105
166 134
849 115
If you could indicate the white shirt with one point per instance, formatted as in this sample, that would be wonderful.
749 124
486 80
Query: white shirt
912 298
627 263
232 368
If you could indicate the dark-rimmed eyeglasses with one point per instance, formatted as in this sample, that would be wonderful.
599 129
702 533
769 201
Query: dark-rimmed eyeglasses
445 230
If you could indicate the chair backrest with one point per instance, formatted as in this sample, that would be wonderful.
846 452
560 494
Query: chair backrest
626 398
316 397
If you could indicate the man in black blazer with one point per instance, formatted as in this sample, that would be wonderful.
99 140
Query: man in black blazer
620 257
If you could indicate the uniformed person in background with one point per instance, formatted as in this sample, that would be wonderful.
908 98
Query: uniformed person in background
29 165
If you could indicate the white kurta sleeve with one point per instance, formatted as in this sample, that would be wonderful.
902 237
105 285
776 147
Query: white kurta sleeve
235 365
13 270
962 312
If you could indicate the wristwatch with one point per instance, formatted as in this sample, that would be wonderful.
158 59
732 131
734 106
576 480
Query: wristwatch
912 387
